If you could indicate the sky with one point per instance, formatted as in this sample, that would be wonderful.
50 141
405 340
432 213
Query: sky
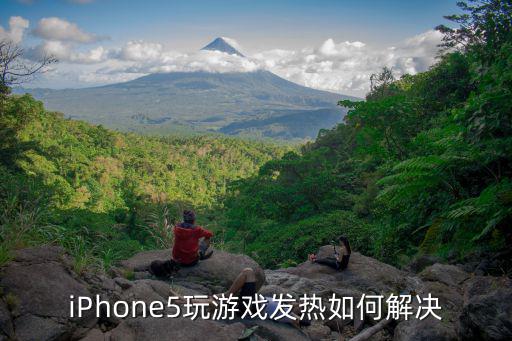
333 45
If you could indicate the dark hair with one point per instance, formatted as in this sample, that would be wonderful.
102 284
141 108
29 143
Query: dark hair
189 216
345 242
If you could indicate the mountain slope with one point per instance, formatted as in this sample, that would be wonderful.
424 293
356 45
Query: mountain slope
220 44
199 101
232 103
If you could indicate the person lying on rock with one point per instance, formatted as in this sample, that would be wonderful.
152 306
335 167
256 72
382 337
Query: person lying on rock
244 285
336 262
191 241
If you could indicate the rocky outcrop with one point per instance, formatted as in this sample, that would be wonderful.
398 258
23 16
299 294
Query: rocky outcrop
363 274
487 310
175 329
214 274
37 285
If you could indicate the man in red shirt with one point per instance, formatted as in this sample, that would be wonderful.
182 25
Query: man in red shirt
188 247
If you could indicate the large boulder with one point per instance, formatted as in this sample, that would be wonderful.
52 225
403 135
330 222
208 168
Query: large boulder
215 273
420 262
487 311
429 329
272 330
6 326
142 329
450 275
39 283
363 273
443 282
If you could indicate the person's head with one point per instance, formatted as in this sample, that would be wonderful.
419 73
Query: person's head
344 242
189 216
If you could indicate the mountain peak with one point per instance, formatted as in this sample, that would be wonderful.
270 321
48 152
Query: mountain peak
223 44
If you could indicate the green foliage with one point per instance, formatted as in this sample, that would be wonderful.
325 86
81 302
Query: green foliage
423 164
104 195
275 244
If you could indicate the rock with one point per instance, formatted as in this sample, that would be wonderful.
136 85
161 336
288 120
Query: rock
99 282
142 260
41 282
161 288
96 335
272 330
33 328
429 329
219 270
6 326
450 298
271 290
41 254
123 283
184 287
487 311
293 284
142 290
175 329
421 262
317 331
448 274
363 273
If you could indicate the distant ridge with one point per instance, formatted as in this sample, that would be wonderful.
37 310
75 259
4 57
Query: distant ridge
220 44
256 104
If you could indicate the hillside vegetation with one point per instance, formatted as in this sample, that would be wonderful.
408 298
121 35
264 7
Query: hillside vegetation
105 195
422 166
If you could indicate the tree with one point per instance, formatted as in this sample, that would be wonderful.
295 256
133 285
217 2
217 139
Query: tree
484 27
380 84
15 69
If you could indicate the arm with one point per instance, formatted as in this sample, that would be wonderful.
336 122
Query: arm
206 234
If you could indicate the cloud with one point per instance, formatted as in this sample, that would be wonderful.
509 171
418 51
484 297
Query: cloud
17 27
152 57
345 67
58 29
139 51
342 67
65 52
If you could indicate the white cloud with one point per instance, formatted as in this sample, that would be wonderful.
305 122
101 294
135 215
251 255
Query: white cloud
17 27
139 51
345 67
342 67
65 52
152 57
62 30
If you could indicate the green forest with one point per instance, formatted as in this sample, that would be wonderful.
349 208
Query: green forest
421 166
106 195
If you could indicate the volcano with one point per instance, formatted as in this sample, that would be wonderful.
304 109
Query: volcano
256 104
221 44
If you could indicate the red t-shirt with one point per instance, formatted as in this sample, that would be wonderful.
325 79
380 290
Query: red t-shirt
186 243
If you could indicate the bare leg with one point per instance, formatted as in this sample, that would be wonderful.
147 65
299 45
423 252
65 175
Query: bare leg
246 276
